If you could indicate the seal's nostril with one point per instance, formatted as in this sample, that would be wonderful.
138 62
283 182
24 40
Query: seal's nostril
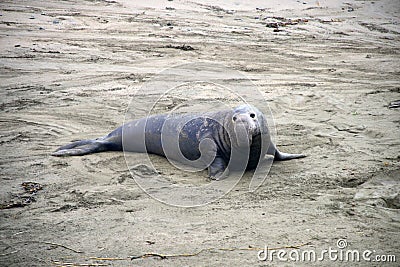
234 118
252 115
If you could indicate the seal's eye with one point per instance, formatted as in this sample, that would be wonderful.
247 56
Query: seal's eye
252 115
234 118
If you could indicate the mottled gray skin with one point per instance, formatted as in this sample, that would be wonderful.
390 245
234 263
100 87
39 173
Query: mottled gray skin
241 129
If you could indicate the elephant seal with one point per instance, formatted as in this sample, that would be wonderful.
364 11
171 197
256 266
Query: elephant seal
206 140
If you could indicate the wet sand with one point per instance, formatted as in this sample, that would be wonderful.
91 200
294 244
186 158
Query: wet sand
69 70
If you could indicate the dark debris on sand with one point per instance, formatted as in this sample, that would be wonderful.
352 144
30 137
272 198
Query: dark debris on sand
23 199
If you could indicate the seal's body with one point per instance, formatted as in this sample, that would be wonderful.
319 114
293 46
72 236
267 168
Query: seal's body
206 141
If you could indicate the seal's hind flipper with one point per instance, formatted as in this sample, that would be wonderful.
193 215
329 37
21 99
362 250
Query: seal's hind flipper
279 156
76 144
80 148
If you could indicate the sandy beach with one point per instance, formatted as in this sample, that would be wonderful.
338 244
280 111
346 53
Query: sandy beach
71 69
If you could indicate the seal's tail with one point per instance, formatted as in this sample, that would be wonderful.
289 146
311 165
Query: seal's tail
286 156
83 147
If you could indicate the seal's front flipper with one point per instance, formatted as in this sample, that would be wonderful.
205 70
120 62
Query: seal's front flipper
82 147
216 169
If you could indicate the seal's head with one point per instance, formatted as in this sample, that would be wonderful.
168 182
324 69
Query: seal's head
245 123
